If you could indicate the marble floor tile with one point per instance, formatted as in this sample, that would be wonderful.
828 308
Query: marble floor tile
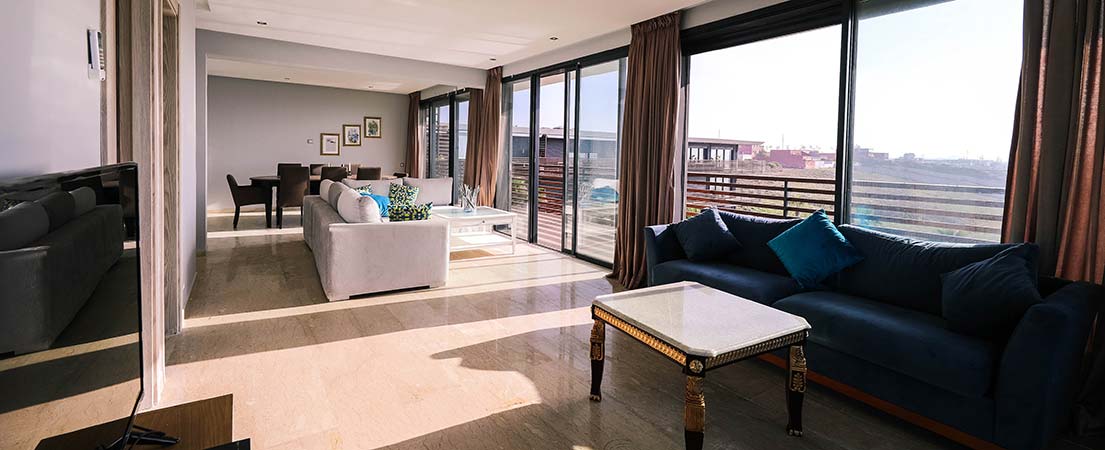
495 359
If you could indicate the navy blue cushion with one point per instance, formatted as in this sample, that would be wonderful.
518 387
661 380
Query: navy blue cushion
905 272
813 250
748 283
989 297
754 234
705 237
909 342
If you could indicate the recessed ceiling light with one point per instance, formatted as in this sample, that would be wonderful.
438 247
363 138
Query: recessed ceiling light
262 23
370 87
553 38
286 78
494 59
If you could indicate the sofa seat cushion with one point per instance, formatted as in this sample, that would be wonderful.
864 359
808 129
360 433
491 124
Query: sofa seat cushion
752 284
912 343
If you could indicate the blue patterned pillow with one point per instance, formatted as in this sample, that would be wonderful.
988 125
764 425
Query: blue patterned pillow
403 213
402 195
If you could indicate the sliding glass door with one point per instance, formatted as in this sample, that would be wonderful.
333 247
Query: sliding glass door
563 145
934 117
762 126
601 97
439 129
898 120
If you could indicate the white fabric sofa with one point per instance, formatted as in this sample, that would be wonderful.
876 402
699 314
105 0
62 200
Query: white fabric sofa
364 258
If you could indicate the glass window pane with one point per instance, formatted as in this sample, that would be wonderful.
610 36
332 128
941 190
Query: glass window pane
462 140
437 153
934 117
762 126
518 149
600 112
550 162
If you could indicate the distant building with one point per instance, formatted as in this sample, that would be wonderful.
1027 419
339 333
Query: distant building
801 159
861 153
715 149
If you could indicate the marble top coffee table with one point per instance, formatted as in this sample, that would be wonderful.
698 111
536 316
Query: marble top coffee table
702 329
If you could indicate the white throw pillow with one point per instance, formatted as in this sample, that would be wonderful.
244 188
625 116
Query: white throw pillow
335 192
438 191
324 189
355 208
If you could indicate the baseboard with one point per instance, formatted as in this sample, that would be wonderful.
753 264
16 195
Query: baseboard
946 431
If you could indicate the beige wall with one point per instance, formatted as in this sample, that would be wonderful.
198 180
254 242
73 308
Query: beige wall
253 125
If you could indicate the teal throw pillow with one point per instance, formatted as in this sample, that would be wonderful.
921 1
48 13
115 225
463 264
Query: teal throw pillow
383 202
988 298
403 213
402 194
814 249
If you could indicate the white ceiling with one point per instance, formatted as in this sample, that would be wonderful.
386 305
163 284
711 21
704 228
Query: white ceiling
459 32
312 76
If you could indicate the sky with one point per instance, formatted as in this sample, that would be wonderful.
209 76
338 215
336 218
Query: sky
939 81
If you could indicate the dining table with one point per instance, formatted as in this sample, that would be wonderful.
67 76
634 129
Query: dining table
271 182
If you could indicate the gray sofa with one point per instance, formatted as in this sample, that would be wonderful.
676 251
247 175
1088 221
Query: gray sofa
46 282
365 258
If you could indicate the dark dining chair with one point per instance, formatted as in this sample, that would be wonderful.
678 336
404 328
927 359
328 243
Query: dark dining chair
335 174
316 169
368 173
294 182
250 195
283 165
400 175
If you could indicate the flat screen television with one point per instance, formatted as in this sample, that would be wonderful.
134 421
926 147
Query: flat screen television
70 305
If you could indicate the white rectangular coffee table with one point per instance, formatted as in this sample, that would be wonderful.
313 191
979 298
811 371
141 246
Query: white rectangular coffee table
702 329
476 229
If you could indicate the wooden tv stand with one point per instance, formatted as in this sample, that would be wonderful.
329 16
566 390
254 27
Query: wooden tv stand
199 425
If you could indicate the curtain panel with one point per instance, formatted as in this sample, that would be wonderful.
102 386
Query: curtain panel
646 184
484 143
1054 189
414 136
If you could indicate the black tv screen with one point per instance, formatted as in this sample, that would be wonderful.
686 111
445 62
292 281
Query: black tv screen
70 321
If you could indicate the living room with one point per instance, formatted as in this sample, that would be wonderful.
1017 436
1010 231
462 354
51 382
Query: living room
848 223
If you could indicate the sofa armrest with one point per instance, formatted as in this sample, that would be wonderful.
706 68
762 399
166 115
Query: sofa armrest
1038 373
660 246
376 257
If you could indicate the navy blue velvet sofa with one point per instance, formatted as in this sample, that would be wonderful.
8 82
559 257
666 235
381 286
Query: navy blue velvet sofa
877 328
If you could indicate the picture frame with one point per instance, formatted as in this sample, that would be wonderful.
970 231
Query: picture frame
329 144
351 135
373 127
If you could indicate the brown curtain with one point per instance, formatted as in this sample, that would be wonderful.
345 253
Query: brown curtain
1054 189
484 142
647 165
414 137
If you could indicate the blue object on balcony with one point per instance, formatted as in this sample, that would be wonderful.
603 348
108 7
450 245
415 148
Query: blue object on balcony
604 194
878 328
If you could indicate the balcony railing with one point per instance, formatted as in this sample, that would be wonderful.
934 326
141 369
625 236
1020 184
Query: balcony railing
934 212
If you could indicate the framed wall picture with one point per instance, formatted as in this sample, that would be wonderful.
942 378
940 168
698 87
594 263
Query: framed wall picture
351 135
329 144
373 127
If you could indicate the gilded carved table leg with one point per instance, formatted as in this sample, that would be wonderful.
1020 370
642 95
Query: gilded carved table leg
694 413
598 352
796 388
